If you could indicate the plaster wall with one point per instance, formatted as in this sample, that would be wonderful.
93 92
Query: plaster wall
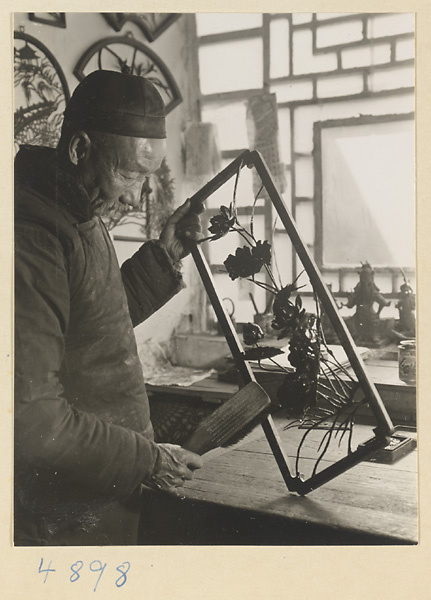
173 47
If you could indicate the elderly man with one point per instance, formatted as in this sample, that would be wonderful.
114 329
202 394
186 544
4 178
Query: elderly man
84 443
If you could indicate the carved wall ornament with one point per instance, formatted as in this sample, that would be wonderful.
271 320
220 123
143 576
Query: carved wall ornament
151 24
54 19
41 93
128 55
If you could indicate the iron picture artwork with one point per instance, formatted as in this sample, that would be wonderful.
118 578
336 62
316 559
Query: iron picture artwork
151 24
53 18
317 392
41 93
128 55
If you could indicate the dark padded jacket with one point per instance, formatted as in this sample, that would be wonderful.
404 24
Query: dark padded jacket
83 434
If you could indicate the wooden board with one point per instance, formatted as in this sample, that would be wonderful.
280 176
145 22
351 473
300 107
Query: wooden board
375 499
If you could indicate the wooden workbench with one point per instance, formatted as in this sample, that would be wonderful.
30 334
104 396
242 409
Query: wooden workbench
238 497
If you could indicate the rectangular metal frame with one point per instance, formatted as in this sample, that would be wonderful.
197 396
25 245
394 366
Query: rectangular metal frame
384 427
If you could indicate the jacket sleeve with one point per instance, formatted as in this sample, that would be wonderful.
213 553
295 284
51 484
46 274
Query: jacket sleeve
50 434
150 279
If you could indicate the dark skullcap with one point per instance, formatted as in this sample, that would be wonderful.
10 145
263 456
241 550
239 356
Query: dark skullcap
114 102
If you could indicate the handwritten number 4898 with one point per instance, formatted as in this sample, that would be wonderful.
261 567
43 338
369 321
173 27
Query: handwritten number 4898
96 566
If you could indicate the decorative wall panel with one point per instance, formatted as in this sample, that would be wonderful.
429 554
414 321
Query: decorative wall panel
128 55
41 93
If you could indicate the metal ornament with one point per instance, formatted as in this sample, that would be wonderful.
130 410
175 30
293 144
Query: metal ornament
127 55
151 24
318 391
365 323
54 19
41 93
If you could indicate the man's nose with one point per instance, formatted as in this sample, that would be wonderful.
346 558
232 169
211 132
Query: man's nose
132 195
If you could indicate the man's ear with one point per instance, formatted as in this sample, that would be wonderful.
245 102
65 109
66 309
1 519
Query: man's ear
79 147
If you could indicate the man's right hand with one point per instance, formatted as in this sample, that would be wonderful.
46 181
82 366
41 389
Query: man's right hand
173 467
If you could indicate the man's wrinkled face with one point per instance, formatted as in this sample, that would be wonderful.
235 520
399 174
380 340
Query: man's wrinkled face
117 167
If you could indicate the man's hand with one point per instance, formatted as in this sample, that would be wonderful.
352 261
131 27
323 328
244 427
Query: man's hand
183 225
173 467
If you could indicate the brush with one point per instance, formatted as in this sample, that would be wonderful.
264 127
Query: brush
229 423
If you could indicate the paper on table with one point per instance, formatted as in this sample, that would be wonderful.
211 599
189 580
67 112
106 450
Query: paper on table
158 370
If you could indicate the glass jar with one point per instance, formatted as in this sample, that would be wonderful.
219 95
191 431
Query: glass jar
407 361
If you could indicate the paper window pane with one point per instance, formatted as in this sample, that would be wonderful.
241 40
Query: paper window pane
369 194
230 120
282 258
284 135
332 280
304 280
304 171
299 18
349 281
287 195
230 66
384 282
209 23
293 91
305 221
279 48
329 15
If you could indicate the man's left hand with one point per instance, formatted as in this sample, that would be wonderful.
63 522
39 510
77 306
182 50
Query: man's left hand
182 227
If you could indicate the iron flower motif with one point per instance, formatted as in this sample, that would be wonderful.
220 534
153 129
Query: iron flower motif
222 222
286 313
252 333
247 262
